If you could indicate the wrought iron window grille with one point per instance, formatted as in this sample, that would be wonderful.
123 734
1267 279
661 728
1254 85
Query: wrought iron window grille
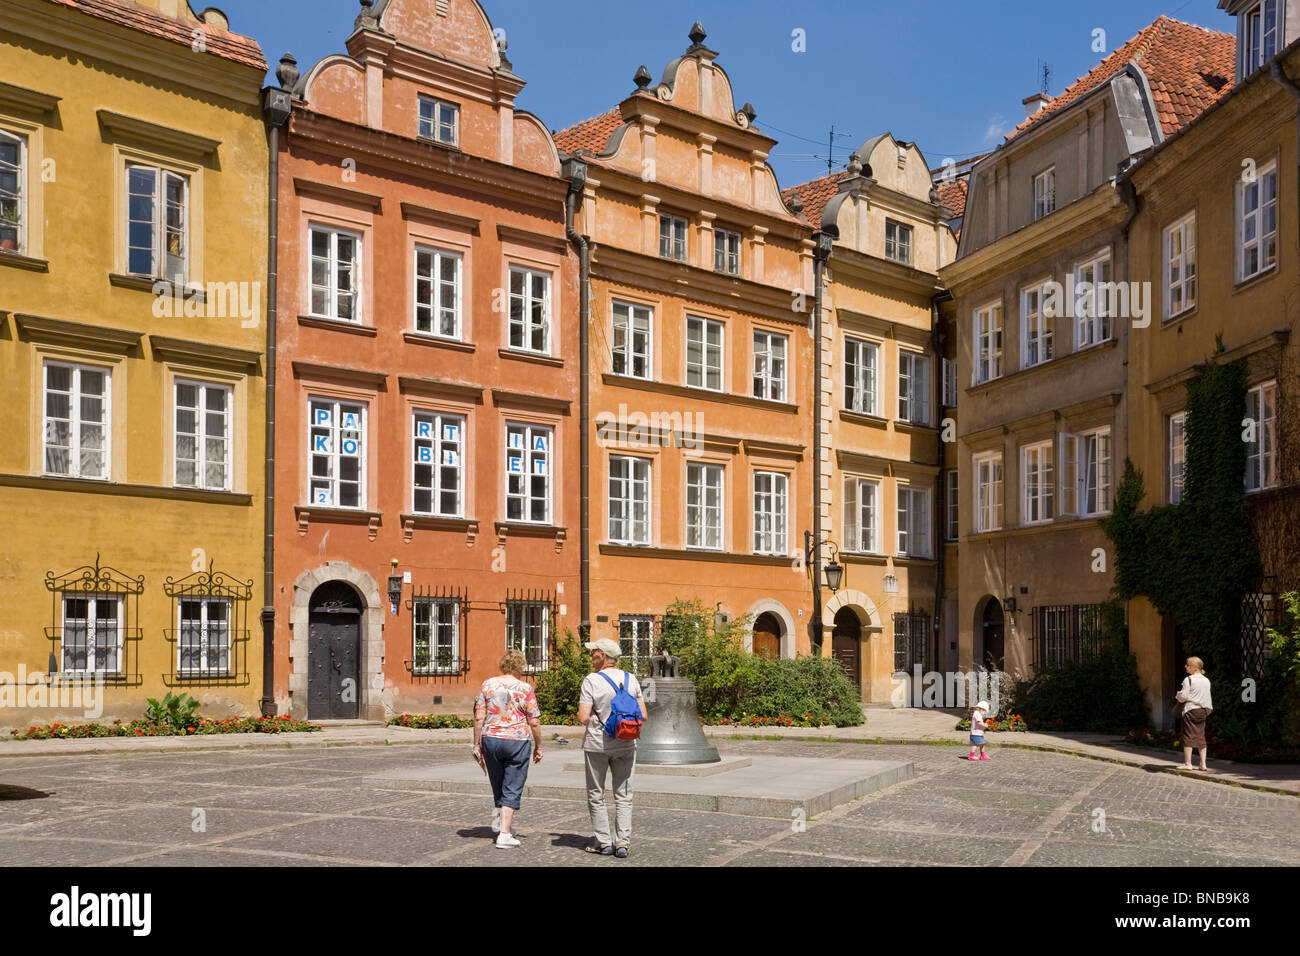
911 634
92 642
429 657
209 648
530 626
1066 633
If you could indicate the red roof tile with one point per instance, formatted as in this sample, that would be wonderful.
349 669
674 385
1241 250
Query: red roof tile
953 196
815 196
127 13
1188 67
591 134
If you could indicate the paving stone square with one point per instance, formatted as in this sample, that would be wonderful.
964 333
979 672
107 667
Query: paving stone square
310 806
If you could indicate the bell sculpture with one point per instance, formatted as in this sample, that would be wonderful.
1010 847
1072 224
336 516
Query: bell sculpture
672 733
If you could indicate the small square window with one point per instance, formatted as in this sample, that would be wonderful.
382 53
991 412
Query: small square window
726 252
898 242
672 238
439 120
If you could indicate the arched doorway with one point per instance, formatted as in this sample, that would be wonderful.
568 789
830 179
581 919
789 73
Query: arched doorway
991 630
846 644
767 636
334 652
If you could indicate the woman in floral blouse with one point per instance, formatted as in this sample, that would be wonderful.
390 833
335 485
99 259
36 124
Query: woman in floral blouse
505 718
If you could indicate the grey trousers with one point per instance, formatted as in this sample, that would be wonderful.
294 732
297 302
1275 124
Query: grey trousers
597 765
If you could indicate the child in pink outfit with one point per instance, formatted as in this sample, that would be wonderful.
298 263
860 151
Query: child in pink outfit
977 725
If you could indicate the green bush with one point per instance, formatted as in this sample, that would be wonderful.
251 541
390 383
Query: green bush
559 688
431 721
1101 695
176 712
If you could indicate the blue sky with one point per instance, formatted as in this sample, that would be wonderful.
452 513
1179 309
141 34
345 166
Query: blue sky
948 75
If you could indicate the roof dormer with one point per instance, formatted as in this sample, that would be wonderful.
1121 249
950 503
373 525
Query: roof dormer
1264 28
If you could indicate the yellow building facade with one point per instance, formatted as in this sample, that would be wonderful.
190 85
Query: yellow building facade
1215 235
881 411
133 251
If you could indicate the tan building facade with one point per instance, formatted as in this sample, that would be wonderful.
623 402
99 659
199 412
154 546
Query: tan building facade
1044 306
1216 234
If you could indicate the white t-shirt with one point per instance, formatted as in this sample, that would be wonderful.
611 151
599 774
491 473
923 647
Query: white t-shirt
1196 692
597 692
977 723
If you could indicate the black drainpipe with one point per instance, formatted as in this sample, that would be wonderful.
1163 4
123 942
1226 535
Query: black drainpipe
278 104
575 170
941 491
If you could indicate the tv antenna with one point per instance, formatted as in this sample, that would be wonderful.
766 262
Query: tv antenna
830 149
1045 74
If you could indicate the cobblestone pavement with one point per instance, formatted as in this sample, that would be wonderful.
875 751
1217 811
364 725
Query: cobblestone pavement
308 807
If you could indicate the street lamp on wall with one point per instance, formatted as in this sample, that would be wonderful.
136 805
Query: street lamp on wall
834 572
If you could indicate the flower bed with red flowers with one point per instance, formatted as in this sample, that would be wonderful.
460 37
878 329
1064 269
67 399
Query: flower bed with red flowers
1216 747
784 720
1012 723
433 721
144 728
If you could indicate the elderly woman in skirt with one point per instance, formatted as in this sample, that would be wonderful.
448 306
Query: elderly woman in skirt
1195 698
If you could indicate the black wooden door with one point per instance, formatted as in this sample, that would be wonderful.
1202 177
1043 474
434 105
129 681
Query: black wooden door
845 650
333 659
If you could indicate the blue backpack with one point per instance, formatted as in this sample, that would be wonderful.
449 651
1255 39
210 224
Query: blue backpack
624 721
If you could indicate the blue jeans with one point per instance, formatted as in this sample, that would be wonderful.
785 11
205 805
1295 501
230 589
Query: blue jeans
507 767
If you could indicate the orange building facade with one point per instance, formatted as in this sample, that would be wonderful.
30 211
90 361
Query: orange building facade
700 364
427 447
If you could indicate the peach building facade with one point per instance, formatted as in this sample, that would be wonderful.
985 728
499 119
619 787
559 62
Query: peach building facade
700 364
427 448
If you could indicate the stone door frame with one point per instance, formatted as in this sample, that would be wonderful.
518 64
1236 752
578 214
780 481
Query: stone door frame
370 700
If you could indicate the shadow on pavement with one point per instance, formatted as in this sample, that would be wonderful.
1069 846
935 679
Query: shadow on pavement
8 792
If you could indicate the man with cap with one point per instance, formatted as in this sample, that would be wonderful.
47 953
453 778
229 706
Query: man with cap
602 754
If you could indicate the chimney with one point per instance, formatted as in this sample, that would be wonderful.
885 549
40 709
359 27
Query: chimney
1035 103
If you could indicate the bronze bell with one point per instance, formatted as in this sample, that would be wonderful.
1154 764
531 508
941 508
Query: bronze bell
672 733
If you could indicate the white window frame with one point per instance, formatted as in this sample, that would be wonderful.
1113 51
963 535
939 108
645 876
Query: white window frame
201 436
627 319
433 126
1036 339
429 608
863 395
700 477
1037 483
629 487
949 382
527 300
433 284
204 638
1264 448
988 344
727 247
771 512
642 637
159 228
438 443
75 422
92 606
325 491
899 248
953 526
674 241
770 368
1093 321
533 463
707 350
1254 221
519 616
1176 429
1260 45
862 511
1079 480
19 196
1180 266
335 270
989 476
1045 193
913 387
913 521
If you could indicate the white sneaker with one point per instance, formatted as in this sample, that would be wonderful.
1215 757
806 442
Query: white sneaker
505 840
496 820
